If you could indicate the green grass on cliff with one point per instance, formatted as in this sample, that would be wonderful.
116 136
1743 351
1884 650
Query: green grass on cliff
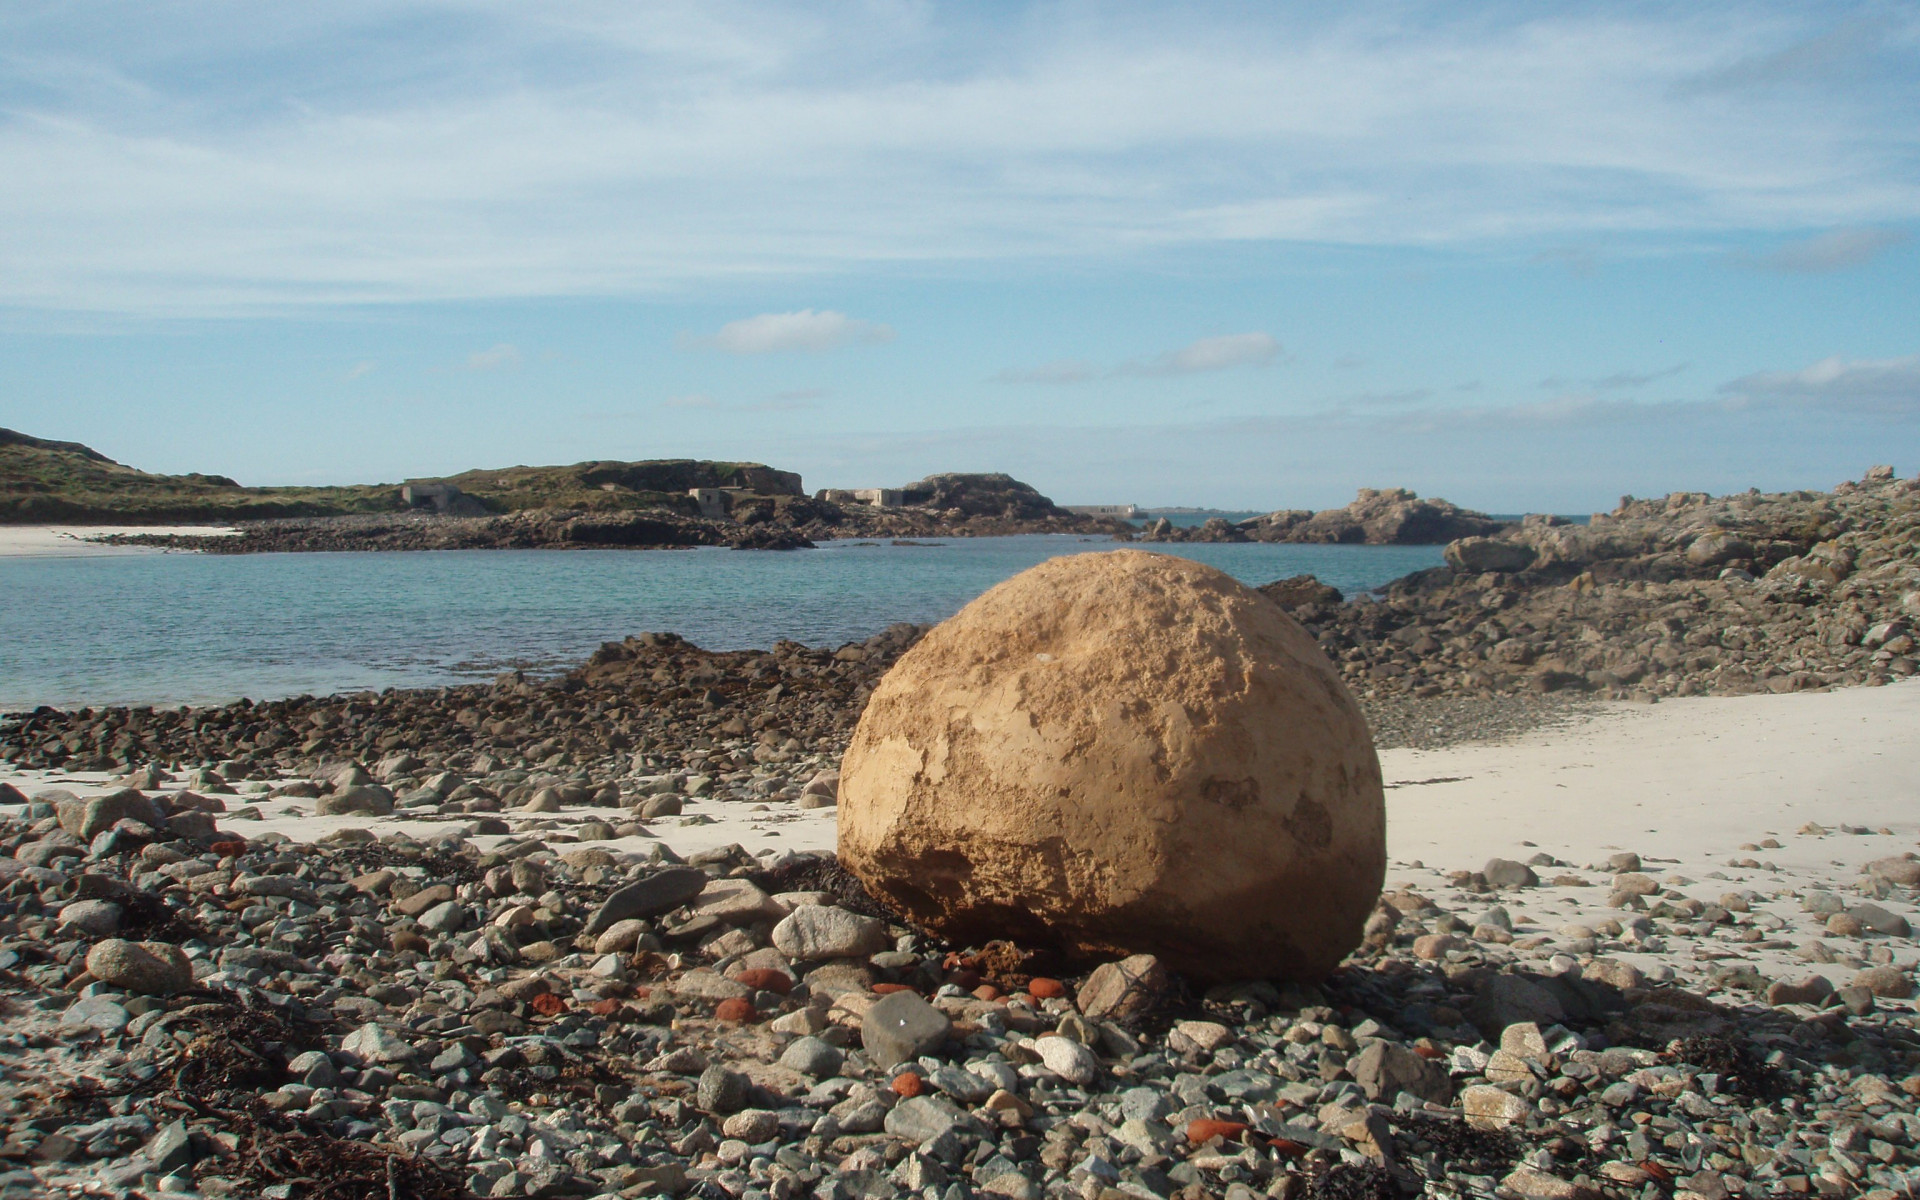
44 481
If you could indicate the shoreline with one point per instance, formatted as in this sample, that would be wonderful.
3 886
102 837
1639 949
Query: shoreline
77 541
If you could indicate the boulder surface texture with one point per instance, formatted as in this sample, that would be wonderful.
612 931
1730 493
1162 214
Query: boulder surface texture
1122 753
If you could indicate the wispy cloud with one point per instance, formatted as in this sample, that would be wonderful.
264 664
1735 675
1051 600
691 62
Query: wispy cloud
778 333
1829 56
1207 354
1400 399
501 357
360 369
1835 250
785 402
353 154
1210 354
1621 380
1885 386
1618 381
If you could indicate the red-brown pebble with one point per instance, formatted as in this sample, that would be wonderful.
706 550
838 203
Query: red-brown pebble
887 989
1042 988
229 849
907 1085
547 1004
1205 1130
766 979
986 991
735 1008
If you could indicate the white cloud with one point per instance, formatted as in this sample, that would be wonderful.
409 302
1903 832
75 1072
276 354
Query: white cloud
1835 250
361 369
1207 354
806 330
1889 386
172 160
691 400
1210 354
502 357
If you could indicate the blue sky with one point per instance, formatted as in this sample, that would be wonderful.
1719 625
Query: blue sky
1525 256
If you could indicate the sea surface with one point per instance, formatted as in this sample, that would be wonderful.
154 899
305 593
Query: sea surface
192 628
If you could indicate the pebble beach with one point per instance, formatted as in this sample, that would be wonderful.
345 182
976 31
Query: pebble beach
1645 933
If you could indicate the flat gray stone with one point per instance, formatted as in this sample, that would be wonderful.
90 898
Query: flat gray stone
814 1057
900 1028
375 1043
98 1013
925 1118
660 892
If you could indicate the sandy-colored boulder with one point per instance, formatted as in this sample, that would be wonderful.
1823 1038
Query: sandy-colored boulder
1116 754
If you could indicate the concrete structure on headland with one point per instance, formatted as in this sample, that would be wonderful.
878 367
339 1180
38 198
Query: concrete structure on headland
443 498
872 497
1126 512
712 501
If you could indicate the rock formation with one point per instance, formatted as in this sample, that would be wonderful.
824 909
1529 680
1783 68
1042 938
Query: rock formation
1377 517
1117 753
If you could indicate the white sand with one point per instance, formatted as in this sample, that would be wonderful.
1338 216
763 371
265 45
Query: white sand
70 541
1685 784
1692 779
1685 780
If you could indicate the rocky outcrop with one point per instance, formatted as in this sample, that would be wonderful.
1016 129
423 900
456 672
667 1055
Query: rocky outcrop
1121 753
1686 595
530 529
939 506
1377 517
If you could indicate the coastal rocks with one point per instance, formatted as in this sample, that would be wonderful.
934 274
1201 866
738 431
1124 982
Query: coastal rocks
148 968
366 799
1056 761
86 819
1481 554
1377 517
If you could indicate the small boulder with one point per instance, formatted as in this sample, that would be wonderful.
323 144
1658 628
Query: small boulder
367 799
86 819
149 968
1384 1070
660 892
1479 555
817 931
1122 753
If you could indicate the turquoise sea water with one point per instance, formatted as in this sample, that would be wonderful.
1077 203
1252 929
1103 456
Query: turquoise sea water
189 628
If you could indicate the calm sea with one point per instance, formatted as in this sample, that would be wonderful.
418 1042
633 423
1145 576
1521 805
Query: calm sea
189 628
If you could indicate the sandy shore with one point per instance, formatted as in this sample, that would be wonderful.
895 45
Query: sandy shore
73 541
1691 784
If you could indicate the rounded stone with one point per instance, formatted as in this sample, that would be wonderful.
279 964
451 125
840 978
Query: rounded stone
149 968
1122 753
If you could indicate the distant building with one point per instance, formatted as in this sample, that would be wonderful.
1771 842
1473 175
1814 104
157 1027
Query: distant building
442 498
1126 512
712 501
872 497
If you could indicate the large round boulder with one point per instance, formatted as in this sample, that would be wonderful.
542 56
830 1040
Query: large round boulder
1122 753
